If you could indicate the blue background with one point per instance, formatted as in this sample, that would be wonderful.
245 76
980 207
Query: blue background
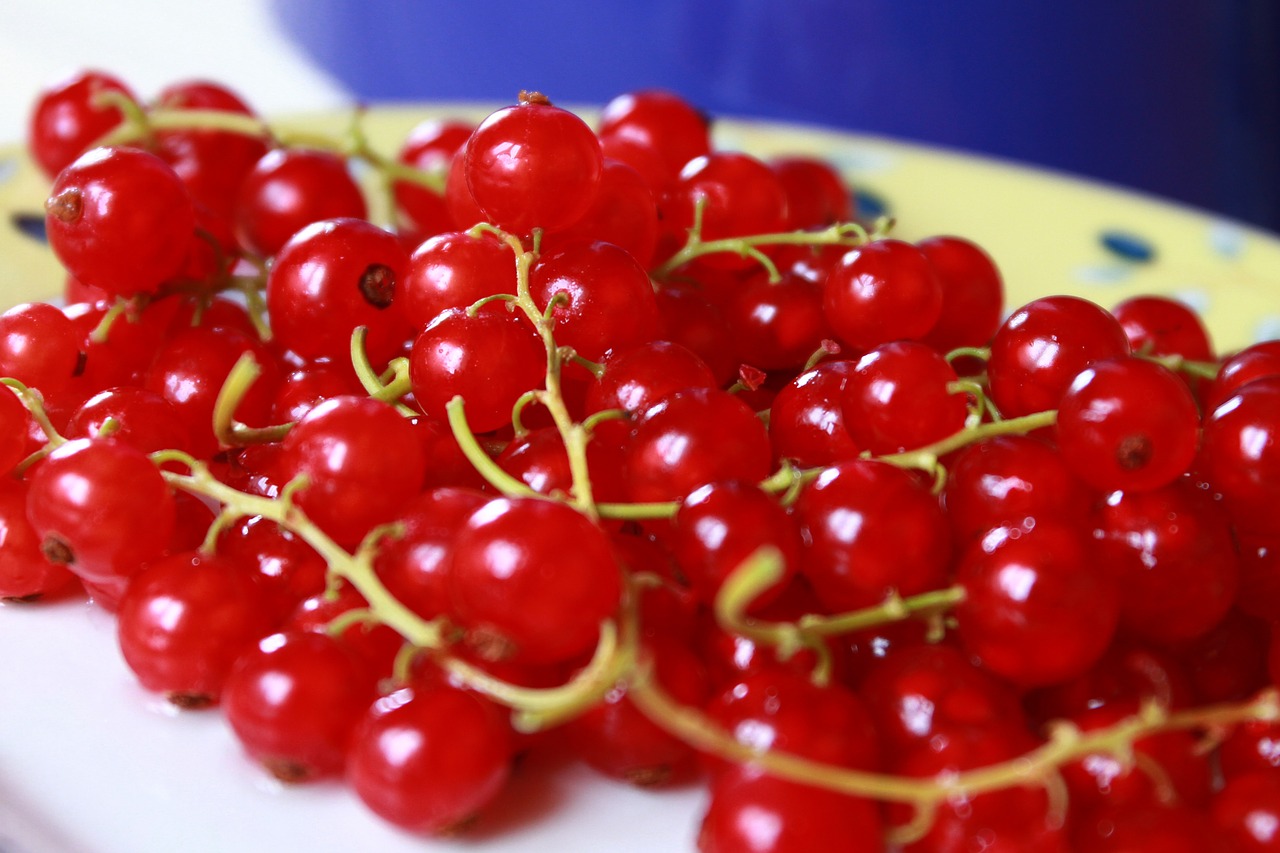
1177 98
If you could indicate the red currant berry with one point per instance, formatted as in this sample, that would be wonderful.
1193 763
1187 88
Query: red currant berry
900 396
453 270
362 462
659 122
293 702
489 359
25 572
624 213
693 437
1014 481
287 190
513 573
71 115
40 347
185 620
1043 346
881 292
120 219
598 296
871 529
533 165
429 760
719 525
751 812
1240 454
806 421
1038 607
816 193
430 147
1128 423
101 508
1255 362
1172 552
740 196
972 293
331 277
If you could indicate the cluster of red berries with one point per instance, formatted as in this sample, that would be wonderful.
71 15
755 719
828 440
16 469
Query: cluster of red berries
621 444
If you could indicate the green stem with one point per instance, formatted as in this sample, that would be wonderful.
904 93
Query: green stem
356 569
842 234
479 459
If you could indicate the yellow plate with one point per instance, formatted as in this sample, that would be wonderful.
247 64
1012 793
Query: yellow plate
1048 232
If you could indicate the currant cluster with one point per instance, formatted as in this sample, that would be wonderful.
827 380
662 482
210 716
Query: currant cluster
618 443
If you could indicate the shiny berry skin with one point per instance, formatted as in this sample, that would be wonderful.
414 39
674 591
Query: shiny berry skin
1247 809
414 565
293 702
288 189
120 219
932 693
331 277
362 460
16 424
1240 453
101 508
624 213
788 712
1128 423
972 293
520 565
67 118
142 418
806 420
453 270
1038 608
1011 480
693 437
742 196
869 529
285 566
184 621
1173 555
603 297
719 525
428 760
778 325
752 812
189 370
1161 325
1043 346
659 122
40 347
816 193
25 572
881 292
637 376
488 359
533 165
1100 780
615 738
429 147
211 163
899 397
539 460
1253 362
